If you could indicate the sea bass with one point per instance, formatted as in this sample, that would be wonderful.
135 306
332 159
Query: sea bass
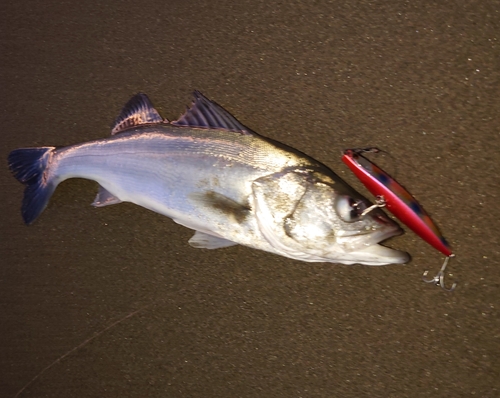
210 173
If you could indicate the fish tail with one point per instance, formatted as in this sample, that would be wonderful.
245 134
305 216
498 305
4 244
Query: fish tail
30 166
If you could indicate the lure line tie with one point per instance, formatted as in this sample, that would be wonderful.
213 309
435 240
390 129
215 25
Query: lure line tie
379 202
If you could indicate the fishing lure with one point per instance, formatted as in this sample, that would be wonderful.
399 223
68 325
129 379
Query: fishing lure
400 202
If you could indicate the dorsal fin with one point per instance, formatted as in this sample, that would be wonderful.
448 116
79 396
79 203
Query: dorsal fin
205 113
138 110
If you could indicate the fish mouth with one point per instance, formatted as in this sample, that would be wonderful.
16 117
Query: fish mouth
363 247
386 233
375 254
358 240
387 228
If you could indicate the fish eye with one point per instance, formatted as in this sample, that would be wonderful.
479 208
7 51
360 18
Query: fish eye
349 209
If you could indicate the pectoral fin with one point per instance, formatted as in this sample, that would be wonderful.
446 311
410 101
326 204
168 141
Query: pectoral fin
221 204
201 240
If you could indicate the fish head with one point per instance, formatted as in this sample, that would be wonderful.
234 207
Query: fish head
312 216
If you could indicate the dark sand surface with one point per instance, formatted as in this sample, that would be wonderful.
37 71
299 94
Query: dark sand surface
418 79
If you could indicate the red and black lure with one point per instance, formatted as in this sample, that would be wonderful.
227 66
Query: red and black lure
399 202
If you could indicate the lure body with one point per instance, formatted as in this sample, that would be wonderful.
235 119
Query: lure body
397 199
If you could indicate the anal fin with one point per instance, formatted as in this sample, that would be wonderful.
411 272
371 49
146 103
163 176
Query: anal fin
105 198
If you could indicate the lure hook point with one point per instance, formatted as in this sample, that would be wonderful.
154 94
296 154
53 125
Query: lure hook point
439 278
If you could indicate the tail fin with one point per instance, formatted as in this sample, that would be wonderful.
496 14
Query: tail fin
29 166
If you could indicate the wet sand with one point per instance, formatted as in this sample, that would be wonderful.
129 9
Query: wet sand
419 81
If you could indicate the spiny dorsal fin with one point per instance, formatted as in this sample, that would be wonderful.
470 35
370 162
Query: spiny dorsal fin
205 113
138 110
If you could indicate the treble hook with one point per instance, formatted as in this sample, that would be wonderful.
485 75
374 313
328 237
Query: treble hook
439 278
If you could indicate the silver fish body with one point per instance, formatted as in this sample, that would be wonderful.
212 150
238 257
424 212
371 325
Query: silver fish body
209 173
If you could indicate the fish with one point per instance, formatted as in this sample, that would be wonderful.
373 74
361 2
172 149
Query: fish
210 173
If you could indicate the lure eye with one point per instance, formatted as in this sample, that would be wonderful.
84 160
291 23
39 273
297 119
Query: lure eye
349 209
